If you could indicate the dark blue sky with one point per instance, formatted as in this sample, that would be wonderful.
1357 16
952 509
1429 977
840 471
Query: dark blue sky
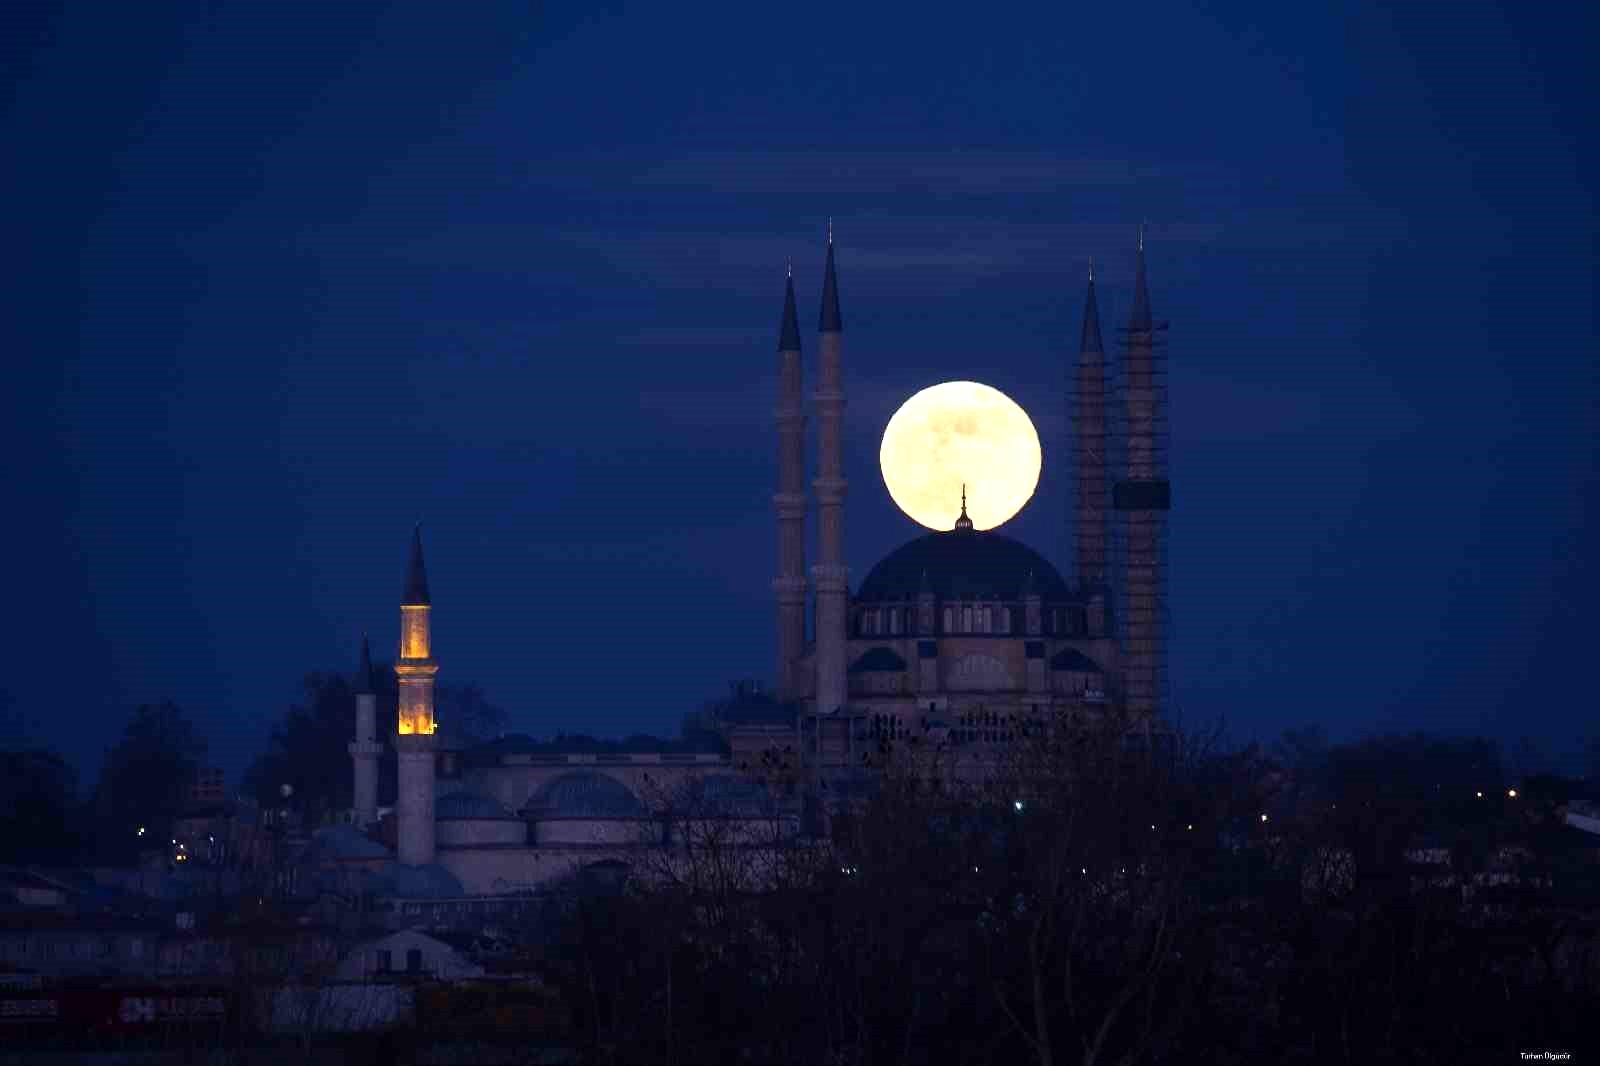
288 278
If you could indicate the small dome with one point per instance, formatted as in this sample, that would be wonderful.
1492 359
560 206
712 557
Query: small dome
962 564
878 660
419 882
337 843
587 794
1073 660
468 805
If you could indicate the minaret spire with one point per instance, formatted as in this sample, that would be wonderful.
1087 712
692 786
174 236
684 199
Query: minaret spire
963 522
1093 515
829 576
1140 319
416 591
365 749
365 680
789 587
831 322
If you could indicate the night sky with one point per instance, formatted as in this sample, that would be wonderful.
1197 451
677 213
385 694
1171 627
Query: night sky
289 278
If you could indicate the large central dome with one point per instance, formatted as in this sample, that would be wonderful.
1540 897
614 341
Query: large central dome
962 564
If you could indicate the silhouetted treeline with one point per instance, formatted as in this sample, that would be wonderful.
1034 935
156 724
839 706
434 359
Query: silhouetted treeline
1104 901
308 749
149 773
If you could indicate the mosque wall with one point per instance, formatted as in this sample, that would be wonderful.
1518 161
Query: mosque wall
502 871
480 832
515 785
631 832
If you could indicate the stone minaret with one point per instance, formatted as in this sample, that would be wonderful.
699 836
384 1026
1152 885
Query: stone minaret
829 576
790 501
1090 424
365 749
1144 497
415 739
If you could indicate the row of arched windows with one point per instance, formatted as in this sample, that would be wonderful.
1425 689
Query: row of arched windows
969 618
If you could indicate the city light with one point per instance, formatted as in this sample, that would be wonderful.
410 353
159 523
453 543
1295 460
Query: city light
1511 792
1263 817
1017 804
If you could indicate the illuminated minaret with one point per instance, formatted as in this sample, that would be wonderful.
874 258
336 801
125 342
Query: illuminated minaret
790 502
365 749
829 576
1090 423
1144 497
415 740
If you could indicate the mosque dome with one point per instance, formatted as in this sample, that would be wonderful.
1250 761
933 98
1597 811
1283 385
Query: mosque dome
962 564
587 794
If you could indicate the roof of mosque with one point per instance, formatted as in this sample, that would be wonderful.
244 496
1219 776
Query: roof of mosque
587 794
491 752
466 804
962 564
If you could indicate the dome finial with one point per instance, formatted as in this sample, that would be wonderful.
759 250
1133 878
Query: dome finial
963 522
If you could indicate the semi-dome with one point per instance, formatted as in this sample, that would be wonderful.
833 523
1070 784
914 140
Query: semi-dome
587 794
962 564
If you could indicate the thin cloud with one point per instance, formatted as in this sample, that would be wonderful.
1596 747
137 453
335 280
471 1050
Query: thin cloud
873 173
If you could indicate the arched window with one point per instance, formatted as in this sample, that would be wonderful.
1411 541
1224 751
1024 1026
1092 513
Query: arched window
949 620
1005 619
966 619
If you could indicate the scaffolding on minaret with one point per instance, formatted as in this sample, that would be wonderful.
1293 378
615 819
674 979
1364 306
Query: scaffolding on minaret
1091 447
1141 499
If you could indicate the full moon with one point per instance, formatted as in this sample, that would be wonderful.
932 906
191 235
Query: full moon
960 433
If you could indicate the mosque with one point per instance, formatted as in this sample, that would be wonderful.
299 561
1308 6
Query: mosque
962 636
